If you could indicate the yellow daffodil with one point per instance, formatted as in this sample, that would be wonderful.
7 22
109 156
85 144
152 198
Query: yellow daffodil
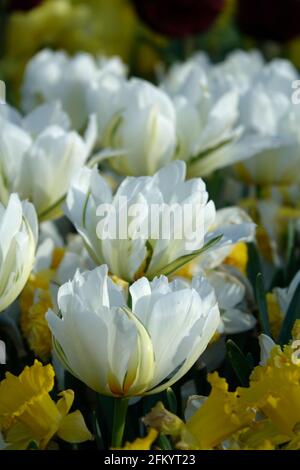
274 390
35 300
218 418
238 257
28 413
141 443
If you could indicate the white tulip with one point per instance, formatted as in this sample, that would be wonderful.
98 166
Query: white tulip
137 252
229 284
267 110
55 76
39 155
209 134
122 351
138 120
18 240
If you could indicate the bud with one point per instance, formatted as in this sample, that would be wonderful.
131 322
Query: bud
163 421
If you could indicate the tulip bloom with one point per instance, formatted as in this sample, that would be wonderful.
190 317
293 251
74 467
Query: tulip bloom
122 351
146 255
135 118
56 76
18 240
39 155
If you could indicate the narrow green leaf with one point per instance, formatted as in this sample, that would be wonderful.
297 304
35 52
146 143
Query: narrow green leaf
172 401
164 442
238 362
97 432
183 260
260 295
292 314
254 264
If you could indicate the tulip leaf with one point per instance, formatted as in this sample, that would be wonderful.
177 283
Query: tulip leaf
260 295
97 432
183 260
239 363
163 442
172 401
292 314
254 264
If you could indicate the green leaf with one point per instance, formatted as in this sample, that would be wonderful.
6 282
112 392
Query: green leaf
238 362
292 314
172 401
183 260
97 432
260 295
254 264
164 442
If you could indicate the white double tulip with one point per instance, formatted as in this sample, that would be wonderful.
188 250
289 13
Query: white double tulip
18 240
268 111
206 116
55 76
39 155
206 97
122 351
138 120
137 252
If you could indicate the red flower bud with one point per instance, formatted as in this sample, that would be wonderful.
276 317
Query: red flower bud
22 5
179 18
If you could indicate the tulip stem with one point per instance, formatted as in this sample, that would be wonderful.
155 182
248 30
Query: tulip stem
120 412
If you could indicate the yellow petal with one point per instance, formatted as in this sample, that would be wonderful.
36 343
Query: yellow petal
73 429
65 402
141 443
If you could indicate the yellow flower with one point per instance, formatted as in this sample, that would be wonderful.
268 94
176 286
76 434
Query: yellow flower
275 390
35 327
262 435
163 421
28 413
238 257
141 443
35 300
218 418
275 314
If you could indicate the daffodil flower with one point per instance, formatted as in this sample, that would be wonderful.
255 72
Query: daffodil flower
28 413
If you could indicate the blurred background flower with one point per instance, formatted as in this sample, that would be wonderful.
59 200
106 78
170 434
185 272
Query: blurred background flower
179 18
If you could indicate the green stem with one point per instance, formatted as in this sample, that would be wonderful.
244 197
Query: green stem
120 412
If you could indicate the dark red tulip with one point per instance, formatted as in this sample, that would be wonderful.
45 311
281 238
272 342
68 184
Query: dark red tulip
22 5
277 20
179 18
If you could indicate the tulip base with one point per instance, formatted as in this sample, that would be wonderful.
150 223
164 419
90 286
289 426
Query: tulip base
119 421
